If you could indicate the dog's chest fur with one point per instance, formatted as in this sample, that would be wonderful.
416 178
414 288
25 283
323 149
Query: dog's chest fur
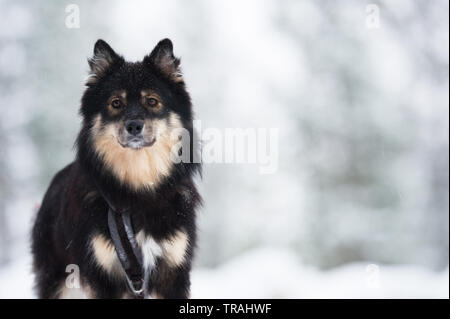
171 250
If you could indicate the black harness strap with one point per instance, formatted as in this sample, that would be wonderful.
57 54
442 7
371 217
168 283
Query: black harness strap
126 219
127 249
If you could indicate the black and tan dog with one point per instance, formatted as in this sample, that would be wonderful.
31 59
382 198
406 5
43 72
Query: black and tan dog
130 112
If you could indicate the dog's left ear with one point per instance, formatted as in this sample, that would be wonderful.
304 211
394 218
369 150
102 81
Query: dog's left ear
162 57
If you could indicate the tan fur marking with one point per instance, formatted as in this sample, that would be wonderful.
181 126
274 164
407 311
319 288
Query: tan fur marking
142 168
120 94
175 248
84 292
72 293
148 92
105 255
178 78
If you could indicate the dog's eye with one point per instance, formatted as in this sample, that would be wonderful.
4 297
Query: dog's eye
116 103
151 101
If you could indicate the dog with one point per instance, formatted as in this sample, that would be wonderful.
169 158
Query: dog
130 113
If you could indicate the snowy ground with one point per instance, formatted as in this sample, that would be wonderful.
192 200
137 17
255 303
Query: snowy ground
275 273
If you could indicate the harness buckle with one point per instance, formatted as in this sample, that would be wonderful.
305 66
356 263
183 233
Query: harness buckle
136 287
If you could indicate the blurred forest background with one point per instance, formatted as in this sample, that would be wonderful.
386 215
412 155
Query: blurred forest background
362 112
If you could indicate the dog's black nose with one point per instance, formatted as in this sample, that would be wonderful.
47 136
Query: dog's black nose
134 127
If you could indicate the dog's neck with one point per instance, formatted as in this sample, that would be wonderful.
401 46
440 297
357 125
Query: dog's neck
138 169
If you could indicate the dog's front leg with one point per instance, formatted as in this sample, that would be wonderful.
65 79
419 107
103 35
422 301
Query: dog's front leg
170 282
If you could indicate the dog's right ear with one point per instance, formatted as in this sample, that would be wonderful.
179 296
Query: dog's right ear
104 57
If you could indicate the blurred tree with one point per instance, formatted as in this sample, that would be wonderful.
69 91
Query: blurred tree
4 231
356 128
59 73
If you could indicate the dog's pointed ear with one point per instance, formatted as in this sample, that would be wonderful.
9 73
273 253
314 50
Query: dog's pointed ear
162 58
104 57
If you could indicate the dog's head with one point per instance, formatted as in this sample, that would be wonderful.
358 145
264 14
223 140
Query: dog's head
131 111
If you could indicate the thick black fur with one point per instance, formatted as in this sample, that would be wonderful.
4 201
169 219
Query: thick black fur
73 209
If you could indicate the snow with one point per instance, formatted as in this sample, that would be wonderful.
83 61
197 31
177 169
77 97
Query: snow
16 280
277 273
273 272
